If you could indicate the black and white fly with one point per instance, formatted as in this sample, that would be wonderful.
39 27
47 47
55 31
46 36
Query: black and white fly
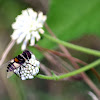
17 62
24 65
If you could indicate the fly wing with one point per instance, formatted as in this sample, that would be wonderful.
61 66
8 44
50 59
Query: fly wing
4 65
9 74
10 70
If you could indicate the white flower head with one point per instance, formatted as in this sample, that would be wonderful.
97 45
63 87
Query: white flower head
28 26
28 70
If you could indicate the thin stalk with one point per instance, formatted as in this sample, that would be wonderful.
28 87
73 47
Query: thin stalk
78 71
9 86
6 51
85 77
73 46
69 57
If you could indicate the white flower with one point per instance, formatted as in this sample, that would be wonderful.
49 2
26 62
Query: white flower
30 70
27 27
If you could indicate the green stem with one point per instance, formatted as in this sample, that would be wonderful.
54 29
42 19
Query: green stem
73 46
78 71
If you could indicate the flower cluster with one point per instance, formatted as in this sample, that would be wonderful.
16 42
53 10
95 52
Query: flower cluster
27 27
29 69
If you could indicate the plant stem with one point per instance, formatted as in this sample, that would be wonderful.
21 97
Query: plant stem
73 46
78 71
6 51
85 77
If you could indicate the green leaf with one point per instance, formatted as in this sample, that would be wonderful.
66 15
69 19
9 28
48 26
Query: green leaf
68 19
71 19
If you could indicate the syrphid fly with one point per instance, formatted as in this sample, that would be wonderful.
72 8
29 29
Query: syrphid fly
24 65
17 62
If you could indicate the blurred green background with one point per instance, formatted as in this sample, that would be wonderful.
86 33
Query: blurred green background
76 21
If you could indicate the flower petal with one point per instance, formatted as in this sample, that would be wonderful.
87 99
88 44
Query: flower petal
16 34
36 69
25 42
41 31
30 77
32 13
24 45
23 78
32 41
24 13
41 18
20 39
36 35
40 15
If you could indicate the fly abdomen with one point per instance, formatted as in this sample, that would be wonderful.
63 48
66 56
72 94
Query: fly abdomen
10 67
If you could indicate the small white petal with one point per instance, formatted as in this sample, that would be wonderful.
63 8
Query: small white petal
41 18
23 78
29 68
37 36
32 67
37 69
32 41
37 63
31 77
25 71
44 18
31 61
39 25
32 13
28 36
24 74
24 12
15 34
28 72
19 18
26 77
33 57
24 68
20 39
34 72
24 45
41 31
24 64
31 71
40 15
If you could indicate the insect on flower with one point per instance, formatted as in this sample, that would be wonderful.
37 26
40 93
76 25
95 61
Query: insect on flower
24 65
